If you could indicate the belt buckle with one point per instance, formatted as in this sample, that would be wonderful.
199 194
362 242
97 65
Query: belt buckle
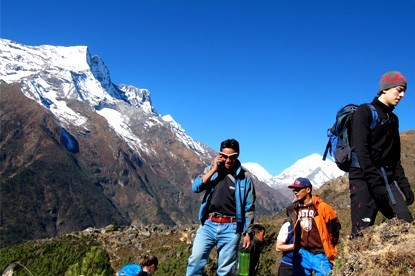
219 218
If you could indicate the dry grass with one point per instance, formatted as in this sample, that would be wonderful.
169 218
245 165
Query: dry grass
386 249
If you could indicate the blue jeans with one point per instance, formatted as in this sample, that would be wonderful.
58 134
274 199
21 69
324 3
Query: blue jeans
306 262
226 240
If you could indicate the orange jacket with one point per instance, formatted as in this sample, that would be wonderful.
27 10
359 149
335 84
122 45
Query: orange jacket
325 215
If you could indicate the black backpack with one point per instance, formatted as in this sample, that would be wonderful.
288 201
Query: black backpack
339 141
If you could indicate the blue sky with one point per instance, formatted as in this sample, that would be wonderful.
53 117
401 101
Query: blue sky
271 74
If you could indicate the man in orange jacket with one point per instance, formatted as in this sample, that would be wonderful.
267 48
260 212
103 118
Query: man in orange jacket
316 231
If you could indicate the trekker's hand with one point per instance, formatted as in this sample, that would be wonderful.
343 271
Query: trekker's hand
409 195
246 242
213 169
218 159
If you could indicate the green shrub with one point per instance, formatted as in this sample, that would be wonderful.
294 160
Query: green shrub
57 256
95 262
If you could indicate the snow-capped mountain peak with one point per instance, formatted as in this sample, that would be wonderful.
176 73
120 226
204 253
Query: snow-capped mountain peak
58 77
311 167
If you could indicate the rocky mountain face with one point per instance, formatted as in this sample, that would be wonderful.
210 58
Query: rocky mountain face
78 151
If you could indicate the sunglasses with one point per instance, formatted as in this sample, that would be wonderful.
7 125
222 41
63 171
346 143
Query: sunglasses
232 156
299 189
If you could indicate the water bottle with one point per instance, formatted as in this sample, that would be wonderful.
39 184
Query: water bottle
243 263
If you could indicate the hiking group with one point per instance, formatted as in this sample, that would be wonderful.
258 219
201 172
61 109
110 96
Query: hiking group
365 143
377 183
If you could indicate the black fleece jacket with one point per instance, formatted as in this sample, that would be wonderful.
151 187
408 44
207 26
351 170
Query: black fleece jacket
377 147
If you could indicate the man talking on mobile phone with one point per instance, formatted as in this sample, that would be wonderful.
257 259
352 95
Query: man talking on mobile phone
226 212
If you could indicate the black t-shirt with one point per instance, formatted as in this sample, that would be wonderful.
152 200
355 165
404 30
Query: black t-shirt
223 197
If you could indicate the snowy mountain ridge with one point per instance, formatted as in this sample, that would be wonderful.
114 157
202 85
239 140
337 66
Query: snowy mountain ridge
311 167
56 77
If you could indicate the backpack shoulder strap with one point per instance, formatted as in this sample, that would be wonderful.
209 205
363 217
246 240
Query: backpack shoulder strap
375 116
328 146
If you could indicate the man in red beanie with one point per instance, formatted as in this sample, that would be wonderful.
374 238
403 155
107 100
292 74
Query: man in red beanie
377 179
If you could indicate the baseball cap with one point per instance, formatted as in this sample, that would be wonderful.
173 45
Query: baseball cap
300 183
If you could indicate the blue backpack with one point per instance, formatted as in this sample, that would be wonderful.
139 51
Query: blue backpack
339 141
130 270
